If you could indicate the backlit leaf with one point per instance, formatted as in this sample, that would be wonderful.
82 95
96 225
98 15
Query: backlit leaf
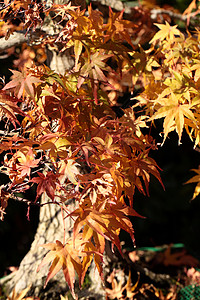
166 31
23 83
64 257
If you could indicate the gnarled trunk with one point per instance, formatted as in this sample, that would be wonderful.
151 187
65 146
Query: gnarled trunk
50 227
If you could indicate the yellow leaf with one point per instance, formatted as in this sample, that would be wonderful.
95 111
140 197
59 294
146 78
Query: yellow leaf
174 113
63 298
78 46
166 31
195 178
68 170
196 67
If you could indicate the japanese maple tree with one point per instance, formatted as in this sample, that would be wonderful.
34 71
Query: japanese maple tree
62 134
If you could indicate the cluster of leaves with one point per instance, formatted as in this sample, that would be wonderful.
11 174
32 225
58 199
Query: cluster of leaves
62 135
122 283
171 90
178 268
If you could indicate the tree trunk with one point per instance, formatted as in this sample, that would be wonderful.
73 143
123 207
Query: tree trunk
49 229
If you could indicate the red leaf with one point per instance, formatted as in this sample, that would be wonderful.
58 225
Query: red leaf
45 184
9 108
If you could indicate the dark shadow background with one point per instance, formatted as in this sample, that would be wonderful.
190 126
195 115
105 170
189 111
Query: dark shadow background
171 216
16 232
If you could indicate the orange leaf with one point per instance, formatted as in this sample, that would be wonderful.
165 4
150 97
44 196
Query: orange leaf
26 161
45 184
179 258
106 222
22 83
64 257
68 170
189 10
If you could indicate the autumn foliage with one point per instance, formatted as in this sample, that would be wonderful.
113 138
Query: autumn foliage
62 135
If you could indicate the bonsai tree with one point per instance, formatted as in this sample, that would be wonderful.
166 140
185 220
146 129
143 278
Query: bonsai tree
64 134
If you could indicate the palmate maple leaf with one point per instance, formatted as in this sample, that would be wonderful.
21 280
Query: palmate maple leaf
180 258
62 10
166 31
118 29
93 68
65 257
26 161
22 83
46 183
9 108
91 250
68 170
118 288
102 223
105 221
174 113
195 178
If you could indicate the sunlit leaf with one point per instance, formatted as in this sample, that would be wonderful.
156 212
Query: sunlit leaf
23 83
64 257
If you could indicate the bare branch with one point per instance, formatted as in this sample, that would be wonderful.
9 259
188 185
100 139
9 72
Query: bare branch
15 39
19 37
159 11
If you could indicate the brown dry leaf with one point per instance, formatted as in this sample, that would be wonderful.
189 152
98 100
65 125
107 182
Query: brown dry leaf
179 258
171 295
119 290
151 289
130 289
117 287
133 256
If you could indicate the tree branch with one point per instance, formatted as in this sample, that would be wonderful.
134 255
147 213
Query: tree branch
15 39
159 11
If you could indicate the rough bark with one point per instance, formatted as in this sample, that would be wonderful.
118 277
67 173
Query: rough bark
50 227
